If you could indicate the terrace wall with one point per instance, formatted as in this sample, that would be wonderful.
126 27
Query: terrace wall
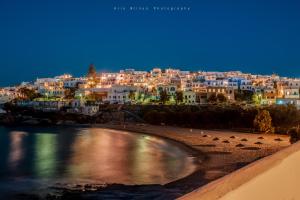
274 177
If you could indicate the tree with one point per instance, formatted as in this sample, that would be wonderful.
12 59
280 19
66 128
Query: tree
263 122
131 95
28 93
163 96
243 95
155 117
154 91
179 97
94 97
70 93
294 134
92 71
92 76
212 98
284 115
256 98
275 85
221 97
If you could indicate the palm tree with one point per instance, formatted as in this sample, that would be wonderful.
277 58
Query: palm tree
179 97
164 97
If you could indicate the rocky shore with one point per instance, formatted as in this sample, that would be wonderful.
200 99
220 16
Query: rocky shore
50 118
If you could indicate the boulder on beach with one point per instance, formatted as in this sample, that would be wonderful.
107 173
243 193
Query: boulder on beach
7 119
60 122
68 122
31 122
2 111
278 139
251 148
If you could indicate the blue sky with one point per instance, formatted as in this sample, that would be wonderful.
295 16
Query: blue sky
40 38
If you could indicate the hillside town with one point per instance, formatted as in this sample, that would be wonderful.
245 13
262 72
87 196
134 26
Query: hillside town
157 86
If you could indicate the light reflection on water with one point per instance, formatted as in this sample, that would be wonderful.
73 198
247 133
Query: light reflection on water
45 155
79 155
15 152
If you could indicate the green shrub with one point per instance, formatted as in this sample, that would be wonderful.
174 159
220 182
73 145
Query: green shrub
263 122
294 134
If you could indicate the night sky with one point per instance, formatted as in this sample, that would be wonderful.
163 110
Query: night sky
40 38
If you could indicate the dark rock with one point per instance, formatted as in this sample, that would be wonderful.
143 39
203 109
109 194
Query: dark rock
219 152
31 122
26 197
69 122
251 148
205 145
239 145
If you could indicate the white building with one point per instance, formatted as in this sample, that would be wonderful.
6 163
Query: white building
50 87
170 89
90 110
120 94
291 93
73 82
189 97
246 85
7 95
156 72
294 83
217 83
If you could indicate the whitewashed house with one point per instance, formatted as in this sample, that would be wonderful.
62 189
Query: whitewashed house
170 89
50 87
120 94
73 82
291 93
7 95
189 97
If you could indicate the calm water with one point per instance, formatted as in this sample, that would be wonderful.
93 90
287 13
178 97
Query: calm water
35 158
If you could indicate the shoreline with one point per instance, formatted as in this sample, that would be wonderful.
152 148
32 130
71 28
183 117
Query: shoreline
186 147
215 158
232 158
